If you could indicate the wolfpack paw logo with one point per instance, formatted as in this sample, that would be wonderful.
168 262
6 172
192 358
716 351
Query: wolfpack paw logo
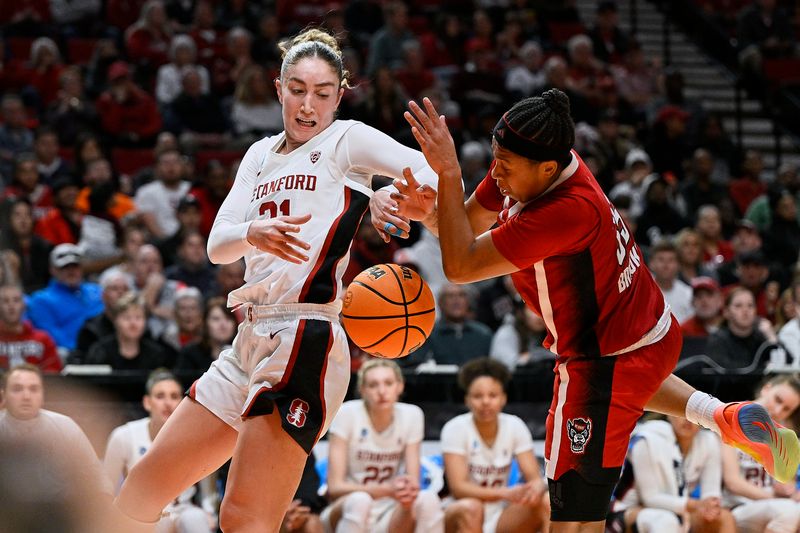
579 431
314 156
297 413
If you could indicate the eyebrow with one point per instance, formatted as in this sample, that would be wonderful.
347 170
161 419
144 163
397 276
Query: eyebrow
323 84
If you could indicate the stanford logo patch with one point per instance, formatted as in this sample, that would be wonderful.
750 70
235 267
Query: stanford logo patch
297 413
579 431
315 156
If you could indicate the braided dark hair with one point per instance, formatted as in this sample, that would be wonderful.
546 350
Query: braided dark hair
483 366
545 120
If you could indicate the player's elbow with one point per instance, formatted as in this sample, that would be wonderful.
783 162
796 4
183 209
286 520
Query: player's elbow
455 272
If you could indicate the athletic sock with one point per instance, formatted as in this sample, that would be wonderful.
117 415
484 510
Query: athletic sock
700 410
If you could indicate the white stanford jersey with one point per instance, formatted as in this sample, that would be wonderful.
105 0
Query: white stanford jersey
374 457
754 473
126 445
664 478
488 466
329 176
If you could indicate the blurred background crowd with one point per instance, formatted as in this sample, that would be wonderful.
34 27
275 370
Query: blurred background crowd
122 123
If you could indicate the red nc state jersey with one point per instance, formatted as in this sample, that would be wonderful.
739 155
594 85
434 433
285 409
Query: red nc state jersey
579 268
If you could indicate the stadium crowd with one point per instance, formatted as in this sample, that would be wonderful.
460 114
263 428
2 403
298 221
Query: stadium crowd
123 123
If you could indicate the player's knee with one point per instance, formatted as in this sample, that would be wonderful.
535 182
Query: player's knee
785 517
658 521
234 514
467 510
427 503
357 506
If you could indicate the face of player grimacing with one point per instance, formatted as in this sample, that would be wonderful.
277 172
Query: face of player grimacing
24 394
381 388
162 401
485 399
520 178
310 93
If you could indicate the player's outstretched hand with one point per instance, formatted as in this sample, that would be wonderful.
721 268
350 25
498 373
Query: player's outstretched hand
415 201
275 236
386 217
430 130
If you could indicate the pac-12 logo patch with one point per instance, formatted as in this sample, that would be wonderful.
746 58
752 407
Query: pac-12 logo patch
315 156
297 413
579 431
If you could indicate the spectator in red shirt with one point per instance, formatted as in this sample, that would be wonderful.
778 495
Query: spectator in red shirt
210 193
44 70
707 304
414 76
127 114
147 40
19 341
748 187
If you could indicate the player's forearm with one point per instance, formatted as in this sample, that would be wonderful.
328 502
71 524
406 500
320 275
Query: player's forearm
343 488
455 232
467 489
228 242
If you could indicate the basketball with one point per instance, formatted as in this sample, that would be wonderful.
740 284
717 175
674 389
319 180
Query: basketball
388 311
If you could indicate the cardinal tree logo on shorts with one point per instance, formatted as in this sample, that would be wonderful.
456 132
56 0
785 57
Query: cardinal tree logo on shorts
314 156
297 413
579 431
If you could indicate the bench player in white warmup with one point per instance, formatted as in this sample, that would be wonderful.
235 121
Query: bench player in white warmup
292 213
759 503
374 460
129 442
478 448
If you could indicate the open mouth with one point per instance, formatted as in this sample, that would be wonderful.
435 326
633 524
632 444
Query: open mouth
306 123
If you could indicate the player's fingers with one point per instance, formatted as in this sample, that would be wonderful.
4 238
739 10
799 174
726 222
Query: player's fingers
430 110
421 114
290 253
296 219
411 119
411 180
393 229
421 139
294 241
400 185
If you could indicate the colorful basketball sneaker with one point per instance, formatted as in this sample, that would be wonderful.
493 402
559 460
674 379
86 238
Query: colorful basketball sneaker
748 427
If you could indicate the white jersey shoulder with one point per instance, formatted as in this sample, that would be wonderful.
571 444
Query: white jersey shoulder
328 177
372 456
312 179
488 465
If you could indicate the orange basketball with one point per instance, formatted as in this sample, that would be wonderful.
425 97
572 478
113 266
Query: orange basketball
388 311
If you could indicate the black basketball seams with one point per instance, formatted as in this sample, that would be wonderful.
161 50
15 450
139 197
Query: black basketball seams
380 317
405 329
356 282
405 305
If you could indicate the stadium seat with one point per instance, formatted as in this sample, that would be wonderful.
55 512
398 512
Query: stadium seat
782 71
20 47
560 32
131 160
80 50
226 157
